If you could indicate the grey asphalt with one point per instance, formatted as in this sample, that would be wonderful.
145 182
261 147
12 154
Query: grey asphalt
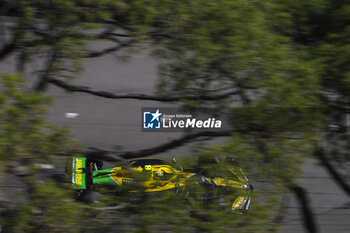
115 125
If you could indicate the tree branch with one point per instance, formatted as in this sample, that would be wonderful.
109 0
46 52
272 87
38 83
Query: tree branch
332 171
115 156
117 207
119 45
43 79
110 95
105 51
7 49
308 217
173 144
11 47
119 34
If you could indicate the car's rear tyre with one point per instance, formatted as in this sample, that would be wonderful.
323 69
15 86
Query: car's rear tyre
90 196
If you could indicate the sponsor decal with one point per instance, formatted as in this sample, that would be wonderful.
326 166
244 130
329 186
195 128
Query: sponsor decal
79 164
78 176
126 181
79 179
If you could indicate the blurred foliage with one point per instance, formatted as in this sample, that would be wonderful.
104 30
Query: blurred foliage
25 138
320 29
284 58
26 141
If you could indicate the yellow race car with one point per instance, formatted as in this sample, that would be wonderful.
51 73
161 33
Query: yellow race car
155 175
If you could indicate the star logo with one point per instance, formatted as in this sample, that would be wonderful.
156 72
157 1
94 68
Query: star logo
156 115
151 120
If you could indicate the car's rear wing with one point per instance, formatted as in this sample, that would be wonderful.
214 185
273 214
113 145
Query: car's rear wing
78 172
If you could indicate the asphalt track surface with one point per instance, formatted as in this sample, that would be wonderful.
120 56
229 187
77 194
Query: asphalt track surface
115 125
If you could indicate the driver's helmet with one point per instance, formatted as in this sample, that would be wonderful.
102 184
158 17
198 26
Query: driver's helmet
159 173
162 173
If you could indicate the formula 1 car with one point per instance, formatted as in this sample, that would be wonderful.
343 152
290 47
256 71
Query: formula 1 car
158 176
